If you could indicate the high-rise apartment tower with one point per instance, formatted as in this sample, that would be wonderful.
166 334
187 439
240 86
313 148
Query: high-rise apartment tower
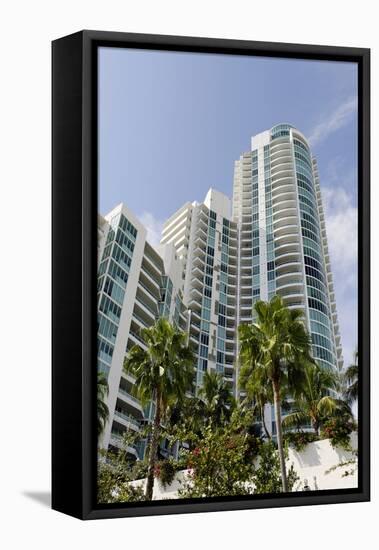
216 259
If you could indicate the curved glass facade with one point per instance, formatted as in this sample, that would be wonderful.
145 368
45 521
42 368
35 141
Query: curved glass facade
283 247
319 314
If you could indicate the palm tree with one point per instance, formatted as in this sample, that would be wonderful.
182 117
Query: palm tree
216 398
102 408
187 416
313 402
274 350
258 395
163 371
351 380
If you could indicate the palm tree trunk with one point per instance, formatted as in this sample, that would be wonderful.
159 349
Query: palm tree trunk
316 427
153 450
264 423
279 435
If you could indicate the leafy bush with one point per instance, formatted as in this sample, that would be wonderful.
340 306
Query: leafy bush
218 465
299 440
267 477
139 470
165 471
113 482
338 430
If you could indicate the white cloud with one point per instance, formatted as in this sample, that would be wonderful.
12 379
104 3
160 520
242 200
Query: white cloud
341 218
153 226
333 121
337 175
342 226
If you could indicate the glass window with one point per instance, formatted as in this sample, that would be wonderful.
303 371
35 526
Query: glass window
203 351
221 331
206 314
204 325
220 357
114 291
204 338
110 309
207 291
207 303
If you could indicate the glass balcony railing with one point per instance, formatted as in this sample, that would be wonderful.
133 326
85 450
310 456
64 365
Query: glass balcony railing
144 304
137 337
128 418
139 318
131 397
148 290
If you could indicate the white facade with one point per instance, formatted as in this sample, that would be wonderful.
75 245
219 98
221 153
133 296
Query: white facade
205 239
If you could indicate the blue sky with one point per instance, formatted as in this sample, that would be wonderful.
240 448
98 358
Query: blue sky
172 124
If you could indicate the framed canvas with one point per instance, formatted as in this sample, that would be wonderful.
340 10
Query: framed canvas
211 282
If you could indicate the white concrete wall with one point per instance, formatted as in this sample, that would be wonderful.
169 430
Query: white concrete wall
219 202
173 265
260 140
262 226
311 464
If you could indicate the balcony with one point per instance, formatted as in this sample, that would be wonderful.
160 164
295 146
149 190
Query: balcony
286 257
281 181
196 294
288 267
285 187
153 277
117 441
137 339
130 399
285 167
289 279
283 196
152 290
127 419
146 308
284 213
277 152
289 203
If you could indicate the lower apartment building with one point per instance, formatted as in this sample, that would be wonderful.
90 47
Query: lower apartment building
136 285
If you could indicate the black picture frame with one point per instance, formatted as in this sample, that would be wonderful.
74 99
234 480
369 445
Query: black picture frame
74 231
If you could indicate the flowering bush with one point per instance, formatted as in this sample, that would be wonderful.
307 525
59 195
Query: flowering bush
338 430
217 464
165 471
113 482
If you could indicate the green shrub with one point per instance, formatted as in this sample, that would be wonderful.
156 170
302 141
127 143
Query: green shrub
299 440
266 477
139 470
217 464
113 482
165 471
